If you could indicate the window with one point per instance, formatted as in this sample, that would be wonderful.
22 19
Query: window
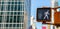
9 7
20 7
12 2
2 8
22 17
17 25
2 2
20 2
19 13
15 8
7 25
14 25
8 13
12 7
11 13
10 25
11 18
0 25
7 19
1 13
9 2
22 25
18 19
15 13
0 19
15 2
14 19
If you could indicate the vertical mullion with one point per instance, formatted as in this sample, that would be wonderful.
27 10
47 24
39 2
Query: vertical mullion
2 21
2 16
17 10
22 6
9 17
0 5
12 13
21 17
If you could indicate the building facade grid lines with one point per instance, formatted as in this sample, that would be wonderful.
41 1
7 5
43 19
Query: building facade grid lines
12 14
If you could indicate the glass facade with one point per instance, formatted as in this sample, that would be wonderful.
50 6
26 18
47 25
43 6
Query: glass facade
12 14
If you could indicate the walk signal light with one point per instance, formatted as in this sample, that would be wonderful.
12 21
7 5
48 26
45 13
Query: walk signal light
43 14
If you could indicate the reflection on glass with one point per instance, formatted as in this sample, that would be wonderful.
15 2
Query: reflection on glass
14 19
7 19
0 19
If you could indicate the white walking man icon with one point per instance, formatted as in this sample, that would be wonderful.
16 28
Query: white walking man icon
46 14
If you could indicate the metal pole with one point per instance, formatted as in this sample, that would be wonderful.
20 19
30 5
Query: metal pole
52 6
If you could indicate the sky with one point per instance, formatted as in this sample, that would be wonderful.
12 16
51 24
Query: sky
38 4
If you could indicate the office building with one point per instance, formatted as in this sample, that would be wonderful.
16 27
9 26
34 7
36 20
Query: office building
14 14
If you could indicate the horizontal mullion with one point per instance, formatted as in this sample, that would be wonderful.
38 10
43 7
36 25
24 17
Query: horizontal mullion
11 27
11 23
11 15
11 11
11 1
11 4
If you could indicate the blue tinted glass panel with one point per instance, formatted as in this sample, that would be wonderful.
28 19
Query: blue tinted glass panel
18 19
20 3
2 2
14 25
15 2
15 8
11 13
8 7
12 7
8 2
17 25
11 19
0 25
2 8
14 19
22 18
7 19
0 19
7 25
20 13
10 25
1 13
20 7
12 2
15 13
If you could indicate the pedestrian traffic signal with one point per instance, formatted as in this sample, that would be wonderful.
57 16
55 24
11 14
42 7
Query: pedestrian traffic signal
43 14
